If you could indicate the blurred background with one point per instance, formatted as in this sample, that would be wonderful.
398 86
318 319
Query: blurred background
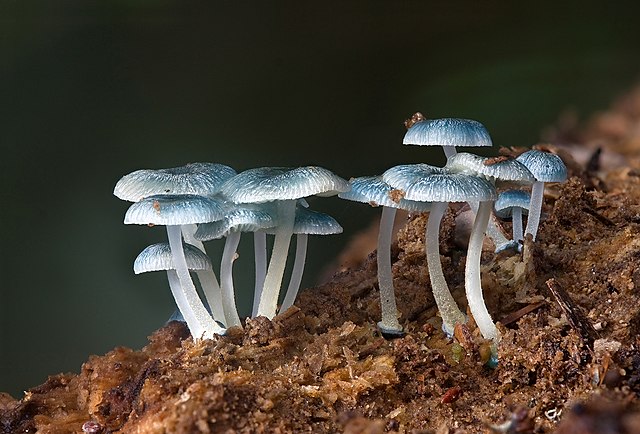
90 91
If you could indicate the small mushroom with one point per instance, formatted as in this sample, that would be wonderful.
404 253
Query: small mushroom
374 191
448 133
284 186
514 204
173 211
545 167
158 257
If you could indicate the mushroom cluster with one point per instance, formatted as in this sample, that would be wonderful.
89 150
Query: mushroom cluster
205 201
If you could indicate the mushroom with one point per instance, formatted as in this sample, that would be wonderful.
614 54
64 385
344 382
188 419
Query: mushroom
158 257
238 219
202 179
545 167
374 191
498 170
308 222
284 186
494 170
438 186
447 132
512 203
173 211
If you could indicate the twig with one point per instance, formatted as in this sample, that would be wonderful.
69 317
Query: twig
577 320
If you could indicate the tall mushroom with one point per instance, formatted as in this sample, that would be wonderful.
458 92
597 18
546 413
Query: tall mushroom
238 219
284 186
447 132
546 167
308 222
374 191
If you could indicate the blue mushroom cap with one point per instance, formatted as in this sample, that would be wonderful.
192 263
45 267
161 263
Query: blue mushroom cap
174 210
494 169
447 132
239 218
158 257
545 166
374 191
267 184
201 179
510 199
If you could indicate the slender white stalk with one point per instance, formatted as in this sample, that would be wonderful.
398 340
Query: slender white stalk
271 289
472 281
389 323
449 151
202 324
226 279
516 221
493 230
180 299
207 278
260 252
449 311
535 209
296 273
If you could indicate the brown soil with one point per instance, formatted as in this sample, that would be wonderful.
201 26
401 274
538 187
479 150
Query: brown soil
569 308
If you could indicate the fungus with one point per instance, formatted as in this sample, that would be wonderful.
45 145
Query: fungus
158 257
308 222
447 132
497 170
513 203
501 169
545 167
238 219
173 211
202 179
284 186
438 186
374 191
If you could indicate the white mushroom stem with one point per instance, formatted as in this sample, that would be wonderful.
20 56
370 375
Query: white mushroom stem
275 272
535 208
296 273
516 219
180 299
207 278
449 151
260 252
388 306
449 311
226 280
200 323
472 281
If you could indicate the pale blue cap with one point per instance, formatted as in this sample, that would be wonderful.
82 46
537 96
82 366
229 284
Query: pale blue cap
545 166
174 210
374 191
158 257
447 132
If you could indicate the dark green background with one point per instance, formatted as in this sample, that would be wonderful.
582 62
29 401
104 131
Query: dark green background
90 91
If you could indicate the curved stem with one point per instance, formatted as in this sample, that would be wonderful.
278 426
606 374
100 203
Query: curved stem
516 219
260 252
449 311
472 283
273 280
389 323
183 312
226 280
207 278
296 274
198 319
535 209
